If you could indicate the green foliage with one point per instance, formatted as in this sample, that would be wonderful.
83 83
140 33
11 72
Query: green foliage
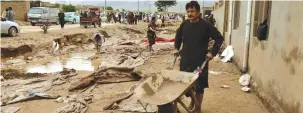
163 5
123 9
69 8
35 4
57 5
109 8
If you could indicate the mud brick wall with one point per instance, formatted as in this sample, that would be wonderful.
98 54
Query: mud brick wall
19 7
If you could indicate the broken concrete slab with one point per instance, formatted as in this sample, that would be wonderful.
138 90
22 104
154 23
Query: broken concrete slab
7 109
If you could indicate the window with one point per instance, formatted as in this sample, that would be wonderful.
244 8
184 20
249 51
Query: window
44 11
262 12
237 6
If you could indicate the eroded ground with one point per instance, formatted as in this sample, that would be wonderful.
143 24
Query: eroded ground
30 65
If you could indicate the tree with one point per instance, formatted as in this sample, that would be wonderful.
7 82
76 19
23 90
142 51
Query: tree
163 5
57 5
35 4
123 9
109 8
69 8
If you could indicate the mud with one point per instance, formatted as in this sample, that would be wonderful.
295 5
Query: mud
74 39
19 74
13 52
104 33
129 30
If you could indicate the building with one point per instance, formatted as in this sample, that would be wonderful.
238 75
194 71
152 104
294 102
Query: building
276 63
20 8
206 10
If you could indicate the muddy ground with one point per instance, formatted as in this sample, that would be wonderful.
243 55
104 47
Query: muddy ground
30 56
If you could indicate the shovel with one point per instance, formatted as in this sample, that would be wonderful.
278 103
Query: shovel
199 70
173 64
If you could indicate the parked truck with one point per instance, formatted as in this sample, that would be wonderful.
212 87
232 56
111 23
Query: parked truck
90 17
37 14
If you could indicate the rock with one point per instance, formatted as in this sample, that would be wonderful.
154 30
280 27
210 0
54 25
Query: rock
225 86
7 109
29 58
245 89
135 55
1 77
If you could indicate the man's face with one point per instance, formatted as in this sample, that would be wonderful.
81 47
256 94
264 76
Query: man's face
153 21
192 13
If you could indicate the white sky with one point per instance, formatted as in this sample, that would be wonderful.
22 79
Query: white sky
131 4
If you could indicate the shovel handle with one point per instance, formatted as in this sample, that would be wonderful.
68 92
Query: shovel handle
202 66
175 58
204 63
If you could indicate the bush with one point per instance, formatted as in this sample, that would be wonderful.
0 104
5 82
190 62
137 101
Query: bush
69 8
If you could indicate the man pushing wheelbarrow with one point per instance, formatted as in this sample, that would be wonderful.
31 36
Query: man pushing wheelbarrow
194 33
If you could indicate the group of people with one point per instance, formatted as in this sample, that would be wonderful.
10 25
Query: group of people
124 17
8 14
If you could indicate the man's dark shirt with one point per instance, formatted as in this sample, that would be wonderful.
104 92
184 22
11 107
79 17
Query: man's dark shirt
195 39
61 17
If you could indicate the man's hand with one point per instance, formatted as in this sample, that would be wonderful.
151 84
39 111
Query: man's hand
209 56
176 52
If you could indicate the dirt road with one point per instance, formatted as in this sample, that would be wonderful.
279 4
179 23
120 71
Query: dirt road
29 29
124 46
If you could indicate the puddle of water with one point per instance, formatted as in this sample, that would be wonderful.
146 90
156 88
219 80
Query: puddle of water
77 61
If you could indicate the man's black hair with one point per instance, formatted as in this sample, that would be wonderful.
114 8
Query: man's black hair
10 8
153 18
193 4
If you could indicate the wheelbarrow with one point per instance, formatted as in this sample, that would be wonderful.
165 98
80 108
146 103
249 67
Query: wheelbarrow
168 87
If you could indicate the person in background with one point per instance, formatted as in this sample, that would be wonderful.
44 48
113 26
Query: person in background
151 33
61 18
10 14
119 17
98 41
4 13
211 19
114 17
163 20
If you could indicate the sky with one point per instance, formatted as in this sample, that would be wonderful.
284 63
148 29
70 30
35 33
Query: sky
132 4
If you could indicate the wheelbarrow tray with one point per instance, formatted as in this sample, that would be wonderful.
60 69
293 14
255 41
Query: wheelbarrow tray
165 87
